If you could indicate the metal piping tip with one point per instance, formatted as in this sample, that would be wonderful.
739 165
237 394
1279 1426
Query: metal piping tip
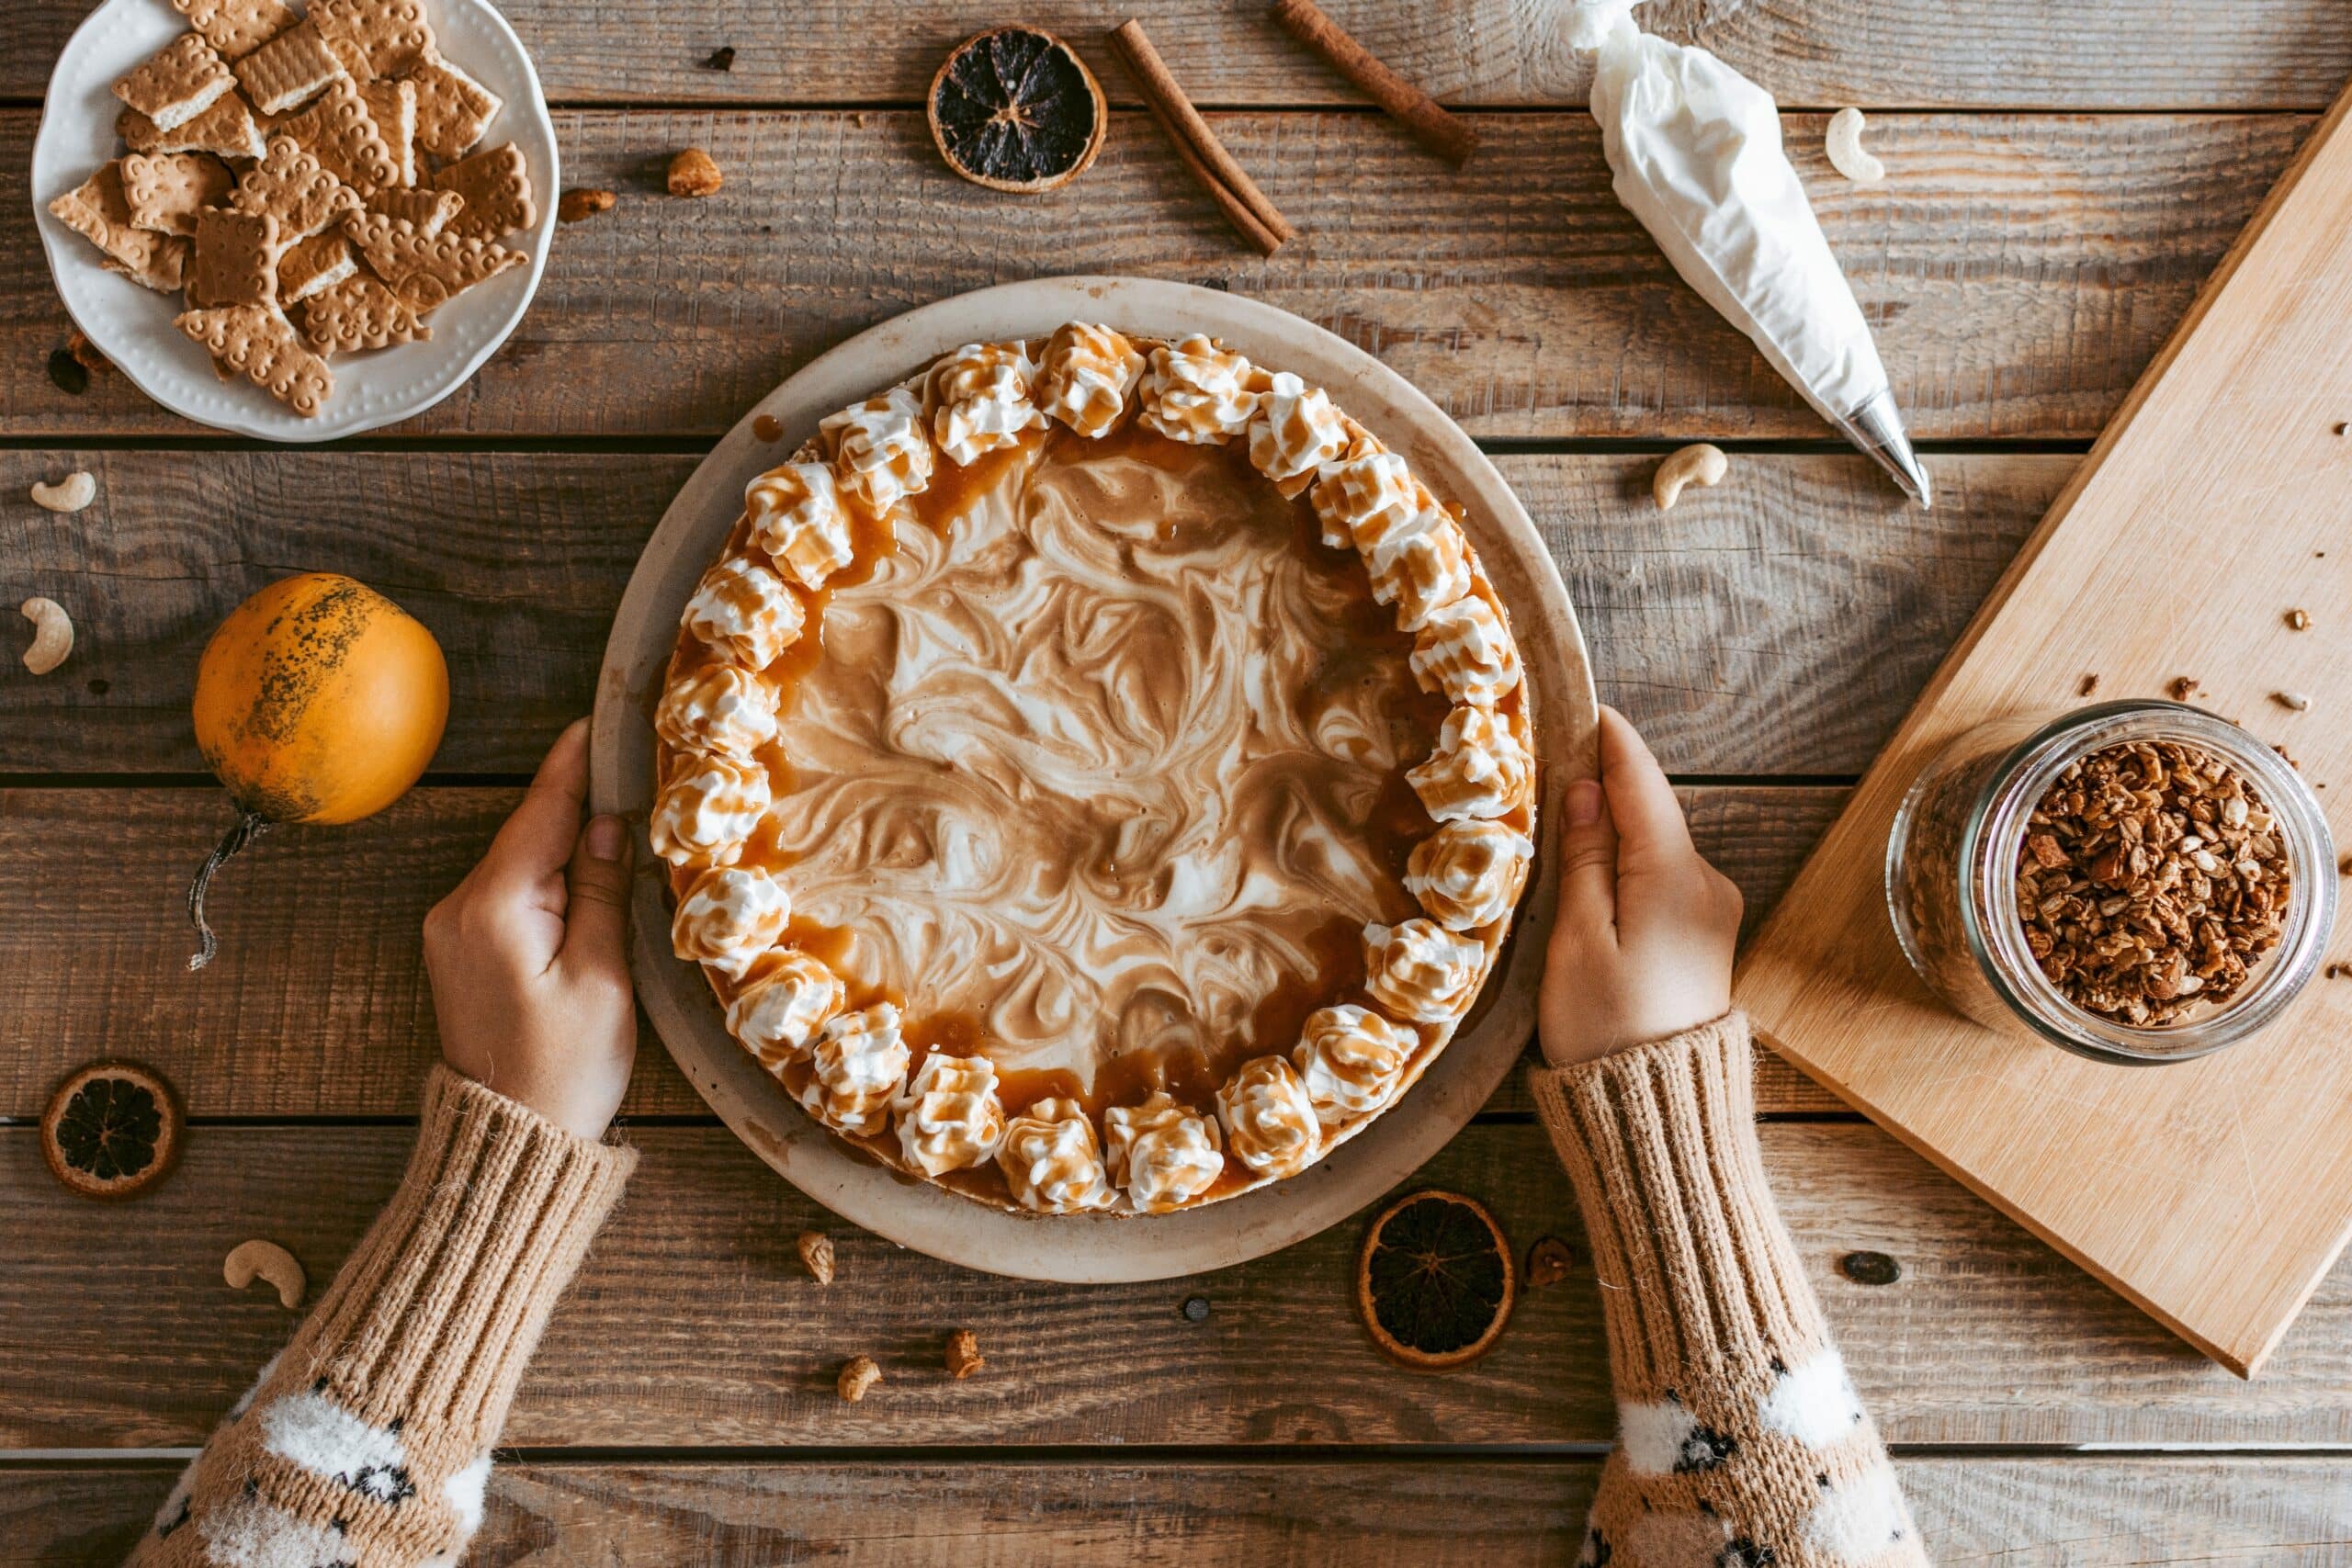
1877 428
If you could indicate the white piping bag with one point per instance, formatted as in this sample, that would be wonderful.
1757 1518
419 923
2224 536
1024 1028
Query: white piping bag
1696 150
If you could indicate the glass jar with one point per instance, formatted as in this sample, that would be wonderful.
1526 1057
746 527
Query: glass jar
1952 865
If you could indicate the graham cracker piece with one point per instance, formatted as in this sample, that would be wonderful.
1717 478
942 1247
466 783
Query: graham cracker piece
166 191
236 259
425 269
392 106
228 128
429 210
177 83
309 265
360 312
380 37
235 27
452 108
100 211
290 68
295 188
341 134
260 344
497 188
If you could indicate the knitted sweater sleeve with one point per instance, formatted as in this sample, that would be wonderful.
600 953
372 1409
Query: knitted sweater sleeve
366 1442
1740 1441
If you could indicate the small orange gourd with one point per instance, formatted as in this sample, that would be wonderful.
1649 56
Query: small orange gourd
317 700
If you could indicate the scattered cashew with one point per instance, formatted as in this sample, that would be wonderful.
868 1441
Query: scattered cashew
817 1256
858 1375
1702 465
72 493
249 1260
52 635
1847 155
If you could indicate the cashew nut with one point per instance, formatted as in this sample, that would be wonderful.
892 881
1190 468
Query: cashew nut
52 635
72 493
1846 152
1702 465
264 1260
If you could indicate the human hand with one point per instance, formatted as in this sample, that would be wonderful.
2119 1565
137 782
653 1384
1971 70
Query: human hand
529 956
1643 946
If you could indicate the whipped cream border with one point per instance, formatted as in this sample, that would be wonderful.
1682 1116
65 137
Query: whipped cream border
1262 382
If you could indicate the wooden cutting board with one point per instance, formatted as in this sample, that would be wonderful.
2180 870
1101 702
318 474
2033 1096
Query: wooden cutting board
2213 1194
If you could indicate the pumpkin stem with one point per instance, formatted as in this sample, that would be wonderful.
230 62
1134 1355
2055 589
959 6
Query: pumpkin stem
248 827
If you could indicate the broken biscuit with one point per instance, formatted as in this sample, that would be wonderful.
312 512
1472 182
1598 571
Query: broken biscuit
496 185
425 270
260 344
377 38
99 212
166 190
360 312
453 111
228 128
235 27
290 68
314 265
176 83
295 188
341 134
236 259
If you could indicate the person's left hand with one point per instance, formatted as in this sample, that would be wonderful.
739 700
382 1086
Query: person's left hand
528 956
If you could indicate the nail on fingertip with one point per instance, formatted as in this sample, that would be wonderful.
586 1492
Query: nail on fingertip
1584 803
605 838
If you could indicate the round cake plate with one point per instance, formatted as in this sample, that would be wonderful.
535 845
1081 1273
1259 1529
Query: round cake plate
1092 1250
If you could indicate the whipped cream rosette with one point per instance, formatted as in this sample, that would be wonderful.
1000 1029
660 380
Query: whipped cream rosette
1080 760
796 515
1468 874
785 1000
1197 391
743 612
854 1069
950 1116
1270 1123
706 808
1053 1161
981 395
1464 650
729 916
1162 1154
1294 432
1421 971
720 709
1363 499
1479 769
1088 373
882 453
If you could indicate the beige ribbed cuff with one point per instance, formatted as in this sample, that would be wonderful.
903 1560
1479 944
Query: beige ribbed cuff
435 1314
1694 1265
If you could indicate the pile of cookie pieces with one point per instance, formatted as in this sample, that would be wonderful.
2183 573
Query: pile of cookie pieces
278 171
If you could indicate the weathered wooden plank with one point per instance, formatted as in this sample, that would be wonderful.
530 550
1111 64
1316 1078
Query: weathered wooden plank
1780 624
2022 268
1467 1512
694 1322
317 1004
2250 55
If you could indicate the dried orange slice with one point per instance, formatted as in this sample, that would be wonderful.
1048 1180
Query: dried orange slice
1435 1281
111 1130
1014 109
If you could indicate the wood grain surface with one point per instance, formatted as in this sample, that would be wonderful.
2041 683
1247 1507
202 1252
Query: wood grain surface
695 1325
317 1004
2021 269
2246 55
1777 625
1462 1511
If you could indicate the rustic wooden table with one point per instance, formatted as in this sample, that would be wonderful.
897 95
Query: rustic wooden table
2062 178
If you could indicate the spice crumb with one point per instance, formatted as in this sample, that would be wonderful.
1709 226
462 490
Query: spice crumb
2090 684
2180 688
720 59
2299 620
2294 700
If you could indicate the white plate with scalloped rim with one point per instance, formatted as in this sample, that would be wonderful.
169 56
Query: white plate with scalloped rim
1092 1248
132 326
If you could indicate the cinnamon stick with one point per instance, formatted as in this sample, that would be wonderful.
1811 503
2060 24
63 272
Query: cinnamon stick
1431 124
1236 194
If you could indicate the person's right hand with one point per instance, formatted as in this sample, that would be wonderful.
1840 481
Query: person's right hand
1643 947
528 956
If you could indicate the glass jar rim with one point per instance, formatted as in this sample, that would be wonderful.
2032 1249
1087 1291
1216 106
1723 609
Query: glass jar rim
1994 831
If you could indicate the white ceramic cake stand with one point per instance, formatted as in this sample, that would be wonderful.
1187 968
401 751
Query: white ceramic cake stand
1092 1250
